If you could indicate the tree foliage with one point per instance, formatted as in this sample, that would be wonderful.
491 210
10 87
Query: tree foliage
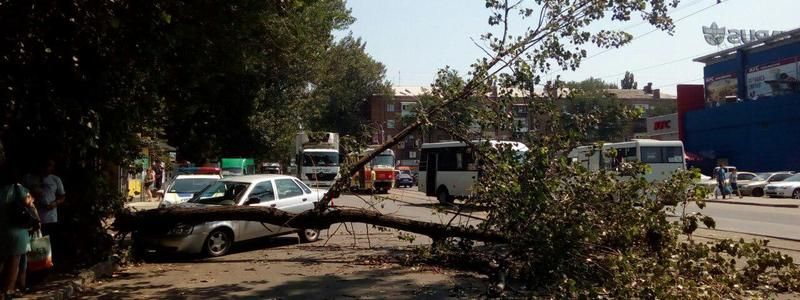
614 119
92 82
628 82
347 78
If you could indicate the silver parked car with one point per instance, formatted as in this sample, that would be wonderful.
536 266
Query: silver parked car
756 186
216 238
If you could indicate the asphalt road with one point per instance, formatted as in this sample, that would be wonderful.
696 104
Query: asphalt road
777 222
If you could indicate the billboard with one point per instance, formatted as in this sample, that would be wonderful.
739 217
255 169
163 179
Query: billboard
773 79
720 87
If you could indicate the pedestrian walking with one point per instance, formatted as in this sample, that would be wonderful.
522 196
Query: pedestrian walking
149 180
720 173
734 186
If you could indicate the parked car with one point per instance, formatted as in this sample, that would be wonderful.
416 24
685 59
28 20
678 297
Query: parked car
789 187
756 186
183 188
404 180
742 178
216 238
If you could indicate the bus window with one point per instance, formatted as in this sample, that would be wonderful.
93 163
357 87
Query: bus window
656 155
673 154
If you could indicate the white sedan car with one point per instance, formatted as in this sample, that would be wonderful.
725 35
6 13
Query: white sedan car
183 188
216 238
789 187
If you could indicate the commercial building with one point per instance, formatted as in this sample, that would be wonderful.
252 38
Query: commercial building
746 114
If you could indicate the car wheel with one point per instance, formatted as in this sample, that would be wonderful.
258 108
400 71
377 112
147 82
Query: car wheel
796 194
218 242
308 235
758 193
443 196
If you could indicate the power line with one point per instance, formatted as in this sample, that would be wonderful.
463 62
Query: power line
655 66
672 12
656 29
679 82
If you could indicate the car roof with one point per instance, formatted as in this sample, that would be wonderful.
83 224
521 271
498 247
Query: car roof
256 178
188 176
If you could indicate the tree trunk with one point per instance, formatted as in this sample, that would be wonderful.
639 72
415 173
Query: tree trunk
167 218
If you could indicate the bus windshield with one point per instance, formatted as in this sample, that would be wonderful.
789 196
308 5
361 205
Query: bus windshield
321 159
383 160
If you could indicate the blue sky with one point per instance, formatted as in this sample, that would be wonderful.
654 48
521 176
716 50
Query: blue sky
415 38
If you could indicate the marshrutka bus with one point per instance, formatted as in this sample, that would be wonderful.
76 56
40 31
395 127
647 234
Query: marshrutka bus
663 157
449 170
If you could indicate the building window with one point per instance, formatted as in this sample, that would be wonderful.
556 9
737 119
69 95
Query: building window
390 107
389 123
412 154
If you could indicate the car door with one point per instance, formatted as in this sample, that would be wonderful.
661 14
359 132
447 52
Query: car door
265 193
291 197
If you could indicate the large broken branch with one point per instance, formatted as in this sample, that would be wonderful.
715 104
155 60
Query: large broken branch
168 218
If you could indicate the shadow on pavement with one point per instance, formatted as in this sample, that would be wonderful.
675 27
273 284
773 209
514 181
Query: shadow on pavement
451 208
385 283
245 246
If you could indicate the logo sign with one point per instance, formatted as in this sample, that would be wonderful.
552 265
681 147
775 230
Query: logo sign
716 35
660 125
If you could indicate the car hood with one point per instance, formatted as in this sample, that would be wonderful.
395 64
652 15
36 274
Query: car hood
757 183
785 184
175 198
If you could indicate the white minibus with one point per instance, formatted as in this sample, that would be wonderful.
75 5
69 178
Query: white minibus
448 170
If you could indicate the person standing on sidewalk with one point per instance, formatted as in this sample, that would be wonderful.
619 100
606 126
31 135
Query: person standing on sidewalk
734 186
721 180
49 194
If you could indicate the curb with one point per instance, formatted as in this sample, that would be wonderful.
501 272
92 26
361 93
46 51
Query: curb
788 239
70 288
753 203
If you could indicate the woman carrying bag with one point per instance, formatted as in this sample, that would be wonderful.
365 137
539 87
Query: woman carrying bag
16 205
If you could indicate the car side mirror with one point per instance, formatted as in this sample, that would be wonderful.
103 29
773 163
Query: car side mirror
253 200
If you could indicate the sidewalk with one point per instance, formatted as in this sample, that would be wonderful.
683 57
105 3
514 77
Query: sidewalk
758 201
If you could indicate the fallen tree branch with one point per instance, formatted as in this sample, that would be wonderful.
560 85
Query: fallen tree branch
165 219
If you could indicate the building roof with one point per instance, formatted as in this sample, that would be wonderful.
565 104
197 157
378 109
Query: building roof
406 90
637 94
783 38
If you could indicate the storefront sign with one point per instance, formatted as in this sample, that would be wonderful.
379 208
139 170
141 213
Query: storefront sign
716 35
661 125
773 79
664 127
720 87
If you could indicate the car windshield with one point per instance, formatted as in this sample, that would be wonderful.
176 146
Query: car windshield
321 159
221 193
758 178
383 160
795 177
190 185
